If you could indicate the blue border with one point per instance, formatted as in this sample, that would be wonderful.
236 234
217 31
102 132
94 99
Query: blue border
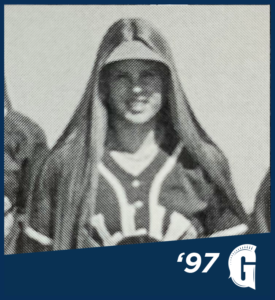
136 2
24 273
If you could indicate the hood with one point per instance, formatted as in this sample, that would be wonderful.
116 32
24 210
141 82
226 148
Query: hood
86 132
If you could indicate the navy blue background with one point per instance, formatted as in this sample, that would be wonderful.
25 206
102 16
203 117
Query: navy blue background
147 269
134 270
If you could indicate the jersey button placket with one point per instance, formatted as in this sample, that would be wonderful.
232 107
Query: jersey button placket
135 183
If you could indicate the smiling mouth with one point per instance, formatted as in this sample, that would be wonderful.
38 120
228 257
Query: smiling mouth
137 105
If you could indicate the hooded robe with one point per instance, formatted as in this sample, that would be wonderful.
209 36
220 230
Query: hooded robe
25 147
66 192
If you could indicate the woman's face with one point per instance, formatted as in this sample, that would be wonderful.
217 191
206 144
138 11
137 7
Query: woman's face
135 90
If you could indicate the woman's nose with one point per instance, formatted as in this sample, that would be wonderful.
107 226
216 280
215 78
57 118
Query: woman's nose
137 89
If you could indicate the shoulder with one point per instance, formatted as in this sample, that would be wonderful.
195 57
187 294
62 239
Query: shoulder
186 160
26 126
10 164
264 190
188 165
263 197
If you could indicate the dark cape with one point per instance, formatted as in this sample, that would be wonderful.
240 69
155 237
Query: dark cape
261 217
65 192
25 147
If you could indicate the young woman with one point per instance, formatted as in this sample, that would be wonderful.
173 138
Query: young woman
25 146
134 164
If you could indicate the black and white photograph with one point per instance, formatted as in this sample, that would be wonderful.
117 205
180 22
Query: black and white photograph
130 124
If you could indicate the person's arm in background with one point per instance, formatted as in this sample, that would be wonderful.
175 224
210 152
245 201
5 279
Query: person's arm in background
261 217
31 165
36 151
11 184
39 223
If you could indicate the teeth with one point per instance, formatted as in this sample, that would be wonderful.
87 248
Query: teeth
137 105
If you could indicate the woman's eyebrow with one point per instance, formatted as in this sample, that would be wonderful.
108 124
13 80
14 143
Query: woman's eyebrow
119 71
153 69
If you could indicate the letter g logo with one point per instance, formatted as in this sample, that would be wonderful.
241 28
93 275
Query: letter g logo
242 271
